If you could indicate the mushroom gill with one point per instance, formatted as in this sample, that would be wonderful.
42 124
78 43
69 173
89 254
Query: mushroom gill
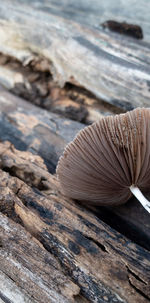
109 160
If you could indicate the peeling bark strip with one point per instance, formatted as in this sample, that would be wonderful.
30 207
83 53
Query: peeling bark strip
115 69
68 254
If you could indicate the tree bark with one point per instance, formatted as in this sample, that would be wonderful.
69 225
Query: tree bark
75 254
30 128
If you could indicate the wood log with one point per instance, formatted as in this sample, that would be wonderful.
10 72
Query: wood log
72 255
53 249
113 67
46 134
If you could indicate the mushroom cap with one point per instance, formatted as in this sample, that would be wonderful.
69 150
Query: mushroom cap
106 158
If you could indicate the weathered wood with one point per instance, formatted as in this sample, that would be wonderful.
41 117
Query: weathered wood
29 127
34 84
10 292
36 272
45 134
103 265
95 12
51 248
113 67
129 219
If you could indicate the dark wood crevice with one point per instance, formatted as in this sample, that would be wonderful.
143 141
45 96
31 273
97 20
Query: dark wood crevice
136 276
141 290
34 83
120 223
101 246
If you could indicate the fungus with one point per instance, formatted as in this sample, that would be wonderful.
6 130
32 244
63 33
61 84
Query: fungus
109 161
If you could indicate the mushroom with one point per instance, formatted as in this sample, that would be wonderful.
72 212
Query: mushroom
109 161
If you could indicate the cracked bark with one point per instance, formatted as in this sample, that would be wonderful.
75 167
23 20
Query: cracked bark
35 84
46 134
67 252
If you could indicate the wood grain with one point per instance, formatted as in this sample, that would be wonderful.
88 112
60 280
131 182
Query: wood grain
46 134
113 67
26 125
56 54
103 264
35 84
30 267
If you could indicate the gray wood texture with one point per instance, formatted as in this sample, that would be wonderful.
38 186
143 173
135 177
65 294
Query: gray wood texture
36 85
113 67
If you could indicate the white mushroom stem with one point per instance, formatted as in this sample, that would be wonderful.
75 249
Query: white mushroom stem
138 194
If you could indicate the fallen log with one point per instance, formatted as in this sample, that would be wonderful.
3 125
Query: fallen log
53 249
77 50
30 128
69 245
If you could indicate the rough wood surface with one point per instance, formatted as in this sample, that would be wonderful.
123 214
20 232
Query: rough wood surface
69 255
28 265
36 85
53 249
46 134
29 127
113 67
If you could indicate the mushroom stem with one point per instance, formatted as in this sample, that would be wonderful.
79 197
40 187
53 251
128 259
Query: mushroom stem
138 194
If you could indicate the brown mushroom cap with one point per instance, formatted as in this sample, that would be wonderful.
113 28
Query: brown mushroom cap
106 158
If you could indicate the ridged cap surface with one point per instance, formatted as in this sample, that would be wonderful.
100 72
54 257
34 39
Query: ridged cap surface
106 158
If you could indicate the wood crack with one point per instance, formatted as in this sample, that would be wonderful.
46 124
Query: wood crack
68 232
136 276
138 283
34 83
101 246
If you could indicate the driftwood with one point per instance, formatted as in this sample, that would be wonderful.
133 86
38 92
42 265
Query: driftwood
73 256
76 49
